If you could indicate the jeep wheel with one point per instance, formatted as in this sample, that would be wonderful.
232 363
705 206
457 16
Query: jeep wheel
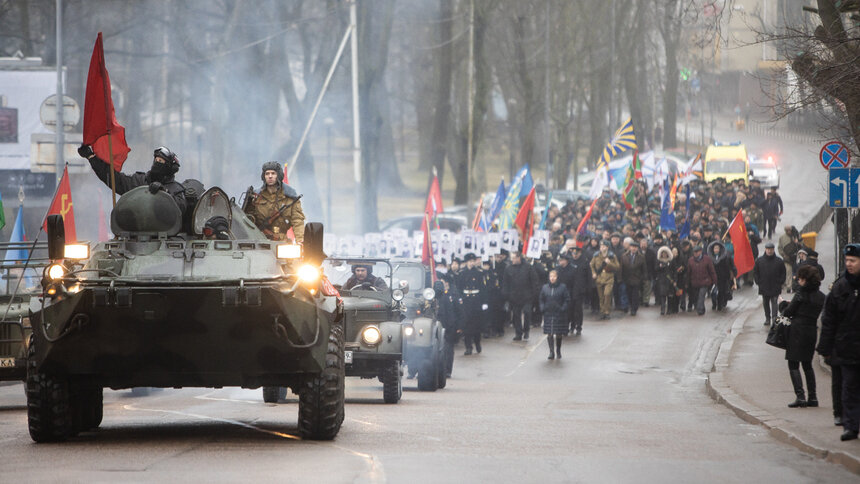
441 379
270 394
392 383
321 398
49 411
427 374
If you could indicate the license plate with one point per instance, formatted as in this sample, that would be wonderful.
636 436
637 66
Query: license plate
7 362
347 357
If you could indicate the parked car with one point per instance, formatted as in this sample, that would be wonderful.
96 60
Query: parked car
765 170
412 223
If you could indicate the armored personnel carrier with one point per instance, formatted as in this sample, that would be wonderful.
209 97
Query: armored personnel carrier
215 305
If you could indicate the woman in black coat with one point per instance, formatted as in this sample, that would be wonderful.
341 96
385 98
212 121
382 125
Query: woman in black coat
664 277
724 266
554 300
803 310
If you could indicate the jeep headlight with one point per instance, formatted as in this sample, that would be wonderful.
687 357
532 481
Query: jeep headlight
76 251
397 294
408 330
429 293
371 335
55 272
308 274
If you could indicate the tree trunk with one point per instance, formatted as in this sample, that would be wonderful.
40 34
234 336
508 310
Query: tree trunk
670 98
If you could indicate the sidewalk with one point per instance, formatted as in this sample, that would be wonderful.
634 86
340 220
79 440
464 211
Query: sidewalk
751 378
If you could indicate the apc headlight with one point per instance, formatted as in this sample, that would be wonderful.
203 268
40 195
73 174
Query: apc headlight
308 274
371 336
76 251
397 294
55 272
408 330
429 293
289 251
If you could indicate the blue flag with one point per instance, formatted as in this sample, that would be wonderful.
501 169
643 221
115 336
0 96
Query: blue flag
495 207
667 218
542 225
520 186
17 255
685 229
525 174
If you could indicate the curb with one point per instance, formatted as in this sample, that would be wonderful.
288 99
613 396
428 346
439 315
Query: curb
777 428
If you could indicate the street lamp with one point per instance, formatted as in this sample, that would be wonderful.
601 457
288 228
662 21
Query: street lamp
328 122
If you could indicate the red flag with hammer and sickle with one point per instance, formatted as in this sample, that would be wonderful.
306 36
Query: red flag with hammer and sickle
62 205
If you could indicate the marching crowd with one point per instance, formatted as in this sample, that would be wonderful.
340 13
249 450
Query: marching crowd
613 256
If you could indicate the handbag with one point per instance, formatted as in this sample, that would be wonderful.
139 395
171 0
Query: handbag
777 336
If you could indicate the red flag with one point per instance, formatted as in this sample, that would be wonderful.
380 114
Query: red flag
427 248
476 223
286 180
744 261
101 129
62 205
583 222
434 199
525 218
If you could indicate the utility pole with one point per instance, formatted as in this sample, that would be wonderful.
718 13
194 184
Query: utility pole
471 101
356 128
548 183
60 123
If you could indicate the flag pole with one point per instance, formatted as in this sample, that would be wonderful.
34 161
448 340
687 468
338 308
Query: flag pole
112 175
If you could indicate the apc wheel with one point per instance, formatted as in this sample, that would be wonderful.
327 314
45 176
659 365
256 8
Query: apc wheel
392 383
428 374
321 398
441 379
270 394
49 411
87 406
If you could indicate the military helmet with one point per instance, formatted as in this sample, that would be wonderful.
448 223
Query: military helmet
168 156
272 165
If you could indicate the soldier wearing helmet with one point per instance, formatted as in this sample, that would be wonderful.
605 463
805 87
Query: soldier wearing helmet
276 207
165 164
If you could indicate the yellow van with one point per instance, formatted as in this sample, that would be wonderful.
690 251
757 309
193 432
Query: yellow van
728 161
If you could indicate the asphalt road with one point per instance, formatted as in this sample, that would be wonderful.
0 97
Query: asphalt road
626 404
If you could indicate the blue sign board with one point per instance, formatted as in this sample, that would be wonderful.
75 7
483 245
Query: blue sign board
843 192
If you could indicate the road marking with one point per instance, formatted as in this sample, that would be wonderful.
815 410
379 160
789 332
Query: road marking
531 349
208 396
391 429
375 472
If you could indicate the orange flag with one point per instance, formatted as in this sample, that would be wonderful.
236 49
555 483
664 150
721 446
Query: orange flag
62 205
744 261
525 219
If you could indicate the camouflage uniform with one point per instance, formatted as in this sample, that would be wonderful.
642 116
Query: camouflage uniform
267 204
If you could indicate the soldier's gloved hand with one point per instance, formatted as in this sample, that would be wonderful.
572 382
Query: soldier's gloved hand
155 187
86 151
484 307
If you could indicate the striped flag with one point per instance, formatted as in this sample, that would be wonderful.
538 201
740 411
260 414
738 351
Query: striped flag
624 139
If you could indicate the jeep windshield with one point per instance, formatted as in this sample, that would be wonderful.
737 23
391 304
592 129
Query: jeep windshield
341 272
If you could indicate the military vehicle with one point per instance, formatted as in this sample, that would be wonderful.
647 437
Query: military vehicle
424 334
372 322
20 276
217 305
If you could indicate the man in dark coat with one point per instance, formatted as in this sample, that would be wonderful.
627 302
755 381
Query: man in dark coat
520 285
165 164
633 273
839 343
701 275
579 286
769 275
473 287
449 311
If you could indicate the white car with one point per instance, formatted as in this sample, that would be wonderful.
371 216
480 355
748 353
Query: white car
764 170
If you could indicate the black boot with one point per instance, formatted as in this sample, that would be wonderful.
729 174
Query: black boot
797 381
549 341
812 401
558 346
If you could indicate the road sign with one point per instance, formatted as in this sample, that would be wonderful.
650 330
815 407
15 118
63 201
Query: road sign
834 154
48 113
843 187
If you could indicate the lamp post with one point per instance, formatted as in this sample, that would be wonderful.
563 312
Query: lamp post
328 122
